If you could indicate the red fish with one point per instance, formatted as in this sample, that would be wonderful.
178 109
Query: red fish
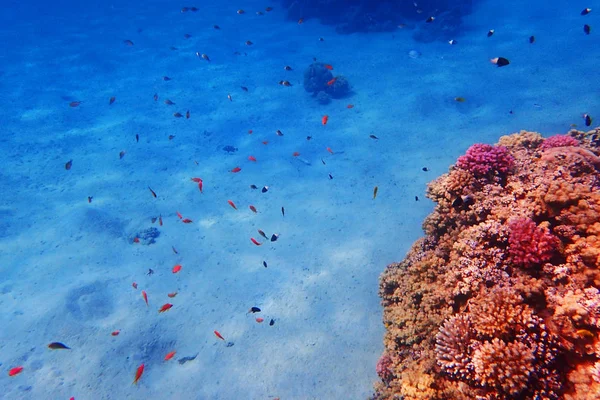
115 333
171 295
265 142
236 170
176 268
179 215
295 154
325 119
170 355
329 150
350 106
138 374
74 104
219 335
331 82
187 221
136 240
259 320
17 370
232 204
252 208
165 307
329 67
256 242
145 296
252 158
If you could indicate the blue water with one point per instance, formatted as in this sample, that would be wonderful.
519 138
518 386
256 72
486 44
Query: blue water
67 265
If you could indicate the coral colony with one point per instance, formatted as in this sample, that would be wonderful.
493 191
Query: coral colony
499 300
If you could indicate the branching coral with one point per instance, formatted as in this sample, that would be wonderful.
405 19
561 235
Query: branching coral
504 286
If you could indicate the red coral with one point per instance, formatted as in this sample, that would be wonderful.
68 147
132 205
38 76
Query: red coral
482 159
529 244
559 141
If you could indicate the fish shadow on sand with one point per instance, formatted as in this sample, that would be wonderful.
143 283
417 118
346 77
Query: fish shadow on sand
90 302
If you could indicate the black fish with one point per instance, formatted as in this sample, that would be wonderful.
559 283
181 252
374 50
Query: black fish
308 137
490 33
152 191
323 161
137 138
68 165
373 137
216 27
265 264
501 62
531 39
330 176
587 29
416 198
588 120
150 271
254 310
253 187
271 322
58 346
586 11
90 199
283 211
425 169
265 189
274 237
430 19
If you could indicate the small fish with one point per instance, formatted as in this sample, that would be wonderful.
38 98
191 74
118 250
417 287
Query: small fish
165 307
217 334
171 137
169 102
261 233
249 43
375 189
155 96
274 237
75 104
459 99
308 137
170 355
166 78
134 285
138 374
145 297
253 187
329 150
265 189
321 39
249 131
350 106
176 269
187 35
373 137
329 67
229 97
253 310
283 211
587 29
288 68
416 198
586 11
252 158
15 371
137 138
500 61
269 9
240 11
259 320
285 83
115 333
111 100
587 119
330 176
266 142
185 9
68 165
325 119
178 115
331 82
136 240
160 220
278 132
187 114
90 199
490 32
183 360
295 154
217 27
128 42
323 161
253 209
236 170
256 242
300 21
430 20
150 271
531 39
121 154
58 346
152 191
171 295
203 56
265 264
425 169
271 322
452 42
244 88
187 221
232 204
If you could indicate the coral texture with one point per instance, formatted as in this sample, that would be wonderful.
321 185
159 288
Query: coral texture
501 299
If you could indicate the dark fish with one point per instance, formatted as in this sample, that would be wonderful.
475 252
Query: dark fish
244 88
249 43
166 78
173 48
269 9
90 199
323 161
490 32
261 233
586 11
150 271
308 137
216 27
283 211
128 42
321 39
254 310
373 137
416 198
271 322
265 189
171 137
74 104
452 41
500 61
274 237
153 219
58 346
588 119
279 133
587 29
531 39
137 138
121 155
155 96
186 359
187 36
185 9
330 176
253 187
68 165
203 56
265 264
111 100
193 9
178 115
425 169
430 19
287 68
187 114
152 191
174 250
169 102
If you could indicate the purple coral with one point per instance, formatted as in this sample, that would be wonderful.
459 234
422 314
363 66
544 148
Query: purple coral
482 159
559 141
384 368
529 244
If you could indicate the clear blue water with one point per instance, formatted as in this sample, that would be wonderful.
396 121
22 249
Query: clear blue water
67 265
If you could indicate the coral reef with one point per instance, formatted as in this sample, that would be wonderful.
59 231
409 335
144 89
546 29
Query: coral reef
319 80
500 299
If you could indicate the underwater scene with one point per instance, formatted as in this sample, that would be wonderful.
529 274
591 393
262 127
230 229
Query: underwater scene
300 199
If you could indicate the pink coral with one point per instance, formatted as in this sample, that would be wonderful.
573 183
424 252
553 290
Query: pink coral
384 368
528 244
482 159
559 141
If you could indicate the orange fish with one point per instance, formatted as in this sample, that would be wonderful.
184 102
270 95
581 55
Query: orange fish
329 150
171 295
179 215
259 320
187 221
256 242
138 374
145 296
252 158
170 355
115 333
219 335
350 106
134 285
331 82
253 209
325 119
236 170
328 66
17 370
165 307
232 204
74 104
176 268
